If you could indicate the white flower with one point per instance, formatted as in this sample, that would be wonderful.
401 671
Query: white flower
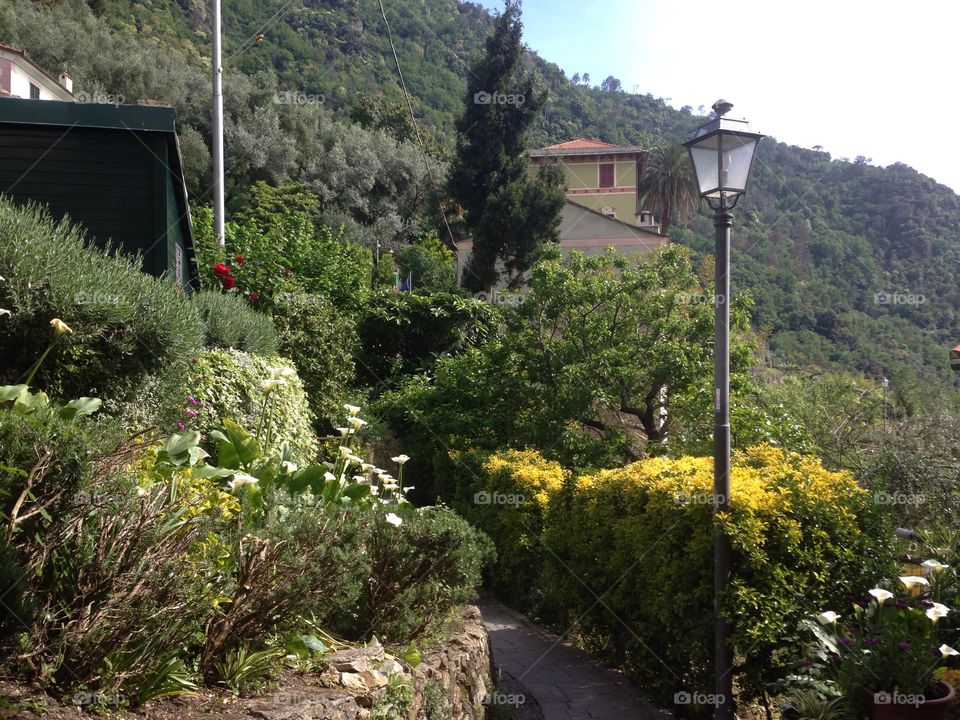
374 490
344 431
914 583
355 459
408 488
141 491
59 327
394 519
272 384
240 479
4 311
881 595
289 467
828 618
282 373
359 479
367 466
947 651
329 476
352 409
400 459
392 485
933 566
345 451
356 422
937 611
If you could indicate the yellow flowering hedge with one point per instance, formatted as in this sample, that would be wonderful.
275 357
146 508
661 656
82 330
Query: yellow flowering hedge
628 561
507 495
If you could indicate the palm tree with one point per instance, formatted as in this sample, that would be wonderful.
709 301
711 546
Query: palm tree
668 184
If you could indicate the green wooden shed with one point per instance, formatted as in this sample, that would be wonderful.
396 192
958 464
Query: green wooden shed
116 169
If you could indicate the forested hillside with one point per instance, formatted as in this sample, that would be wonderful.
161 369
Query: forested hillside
849 265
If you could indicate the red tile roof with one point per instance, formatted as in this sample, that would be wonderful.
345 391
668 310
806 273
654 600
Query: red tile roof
580 144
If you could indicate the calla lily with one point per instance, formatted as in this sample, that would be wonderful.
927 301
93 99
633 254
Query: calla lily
881 595
352 409
271 384
282 373
59 327
933 566
948 651
356 422
344 431
240 479
400 459
344 451
367 466
329 476
394 519
408 488
828 618
937 611
4 311
914 583
288 467
355 459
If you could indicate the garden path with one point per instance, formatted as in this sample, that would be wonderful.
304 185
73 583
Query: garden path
566 683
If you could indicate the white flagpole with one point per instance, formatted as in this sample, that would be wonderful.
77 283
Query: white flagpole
217 112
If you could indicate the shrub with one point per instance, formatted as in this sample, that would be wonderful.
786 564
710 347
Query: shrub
630 559
417 572
100 571
507 495
403 332
301 559
227 384
230 323
126 325
319 341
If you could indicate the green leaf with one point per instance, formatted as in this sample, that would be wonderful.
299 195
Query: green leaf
314 644
84 406
176 450
237 448
12 392
208 471
357 492
308 477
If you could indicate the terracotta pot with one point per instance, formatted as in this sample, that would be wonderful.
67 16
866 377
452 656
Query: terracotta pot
887 706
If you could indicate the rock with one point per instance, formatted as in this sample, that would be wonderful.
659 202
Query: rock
319 704
356 660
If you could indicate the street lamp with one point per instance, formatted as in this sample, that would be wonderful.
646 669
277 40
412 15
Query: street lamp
722 155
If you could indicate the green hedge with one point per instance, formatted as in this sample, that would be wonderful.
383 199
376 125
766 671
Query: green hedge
230 322
319 339
227 384
126 325
623 559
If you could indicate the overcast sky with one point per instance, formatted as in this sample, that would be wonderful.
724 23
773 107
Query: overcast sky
877 78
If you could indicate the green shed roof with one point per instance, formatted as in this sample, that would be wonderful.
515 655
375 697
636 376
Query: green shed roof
114 168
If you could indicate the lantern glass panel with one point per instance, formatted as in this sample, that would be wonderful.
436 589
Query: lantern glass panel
736 160
704 155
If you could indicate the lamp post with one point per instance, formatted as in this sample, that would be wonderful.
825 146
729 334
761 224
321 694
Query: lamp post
722 155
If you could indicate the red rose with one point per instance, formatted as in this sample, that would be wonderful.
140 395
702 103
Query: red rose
241 259
221 270
254 296
229 282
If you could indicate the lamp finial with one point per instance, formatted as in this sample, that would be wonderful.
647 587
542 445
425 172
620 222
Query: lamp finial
722 107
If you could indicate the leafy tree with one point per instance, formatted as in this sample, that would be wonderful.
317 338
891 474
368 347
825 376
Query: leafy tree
668 184
431 264
611 85
509 213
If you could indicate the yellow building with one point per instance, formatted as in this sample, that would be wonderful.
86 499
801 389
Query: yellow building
601 176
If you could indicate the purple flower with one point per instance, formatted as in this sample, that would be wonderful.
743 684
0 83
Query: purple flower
870 641
181 426
190 413
861 603
192 400
902 604
904 645
845 640
926 604
853 629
